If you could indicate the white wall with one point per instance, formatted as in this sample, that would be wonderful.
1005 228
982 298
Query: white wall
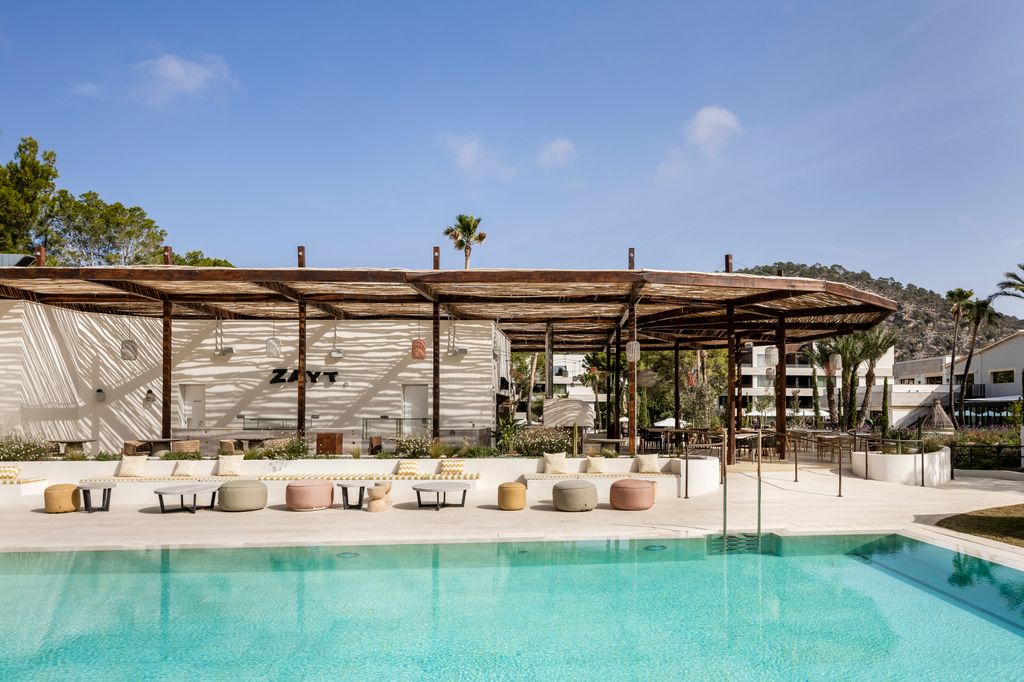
53 360
1007 355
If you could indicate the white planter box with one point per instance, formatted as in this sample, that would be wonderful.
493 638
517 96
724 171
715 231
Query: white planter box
905 469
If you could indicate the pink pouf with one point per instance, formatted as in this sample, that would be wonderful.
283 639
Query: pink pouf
632 494
309 495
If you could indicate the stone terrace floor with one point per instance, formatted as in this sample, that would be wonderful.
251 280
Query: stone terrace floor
810 506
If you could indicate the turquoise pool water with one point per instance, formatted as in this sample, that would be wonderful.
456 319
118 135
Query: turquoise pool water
809 608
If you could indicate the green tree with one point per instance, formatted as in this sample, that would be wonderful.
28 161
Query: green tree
198 259
89 231
957 300
849 348
817 355
1013 285
465 233
27 183
978 313
593 377
875 342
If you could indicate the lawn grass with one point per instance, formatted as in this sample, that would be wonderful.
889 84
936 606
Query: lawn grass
1005 524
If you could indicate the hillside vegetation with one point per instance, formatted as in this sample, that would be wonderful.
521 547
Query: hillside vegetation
922 322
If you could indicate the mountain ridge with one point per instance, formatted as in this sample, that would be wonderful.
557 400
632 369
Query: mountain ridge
922 321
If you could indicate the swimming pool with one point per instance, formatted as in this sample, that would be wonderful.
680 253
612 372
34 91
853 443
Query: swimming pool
822 607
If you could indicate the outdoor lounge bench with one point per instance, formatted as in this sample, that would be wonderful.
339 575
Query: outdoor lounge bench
370 477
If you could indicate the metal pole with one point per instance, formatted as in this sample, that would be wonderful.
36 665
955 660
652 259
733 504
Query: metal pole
840 458
167 348
686 471
759 483
677 406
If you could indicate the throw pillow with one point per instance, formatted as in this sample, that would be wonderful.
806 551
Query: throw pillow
408 467
9 471
452 467
230 465
184 467
133 466
648 464
595 465
554 463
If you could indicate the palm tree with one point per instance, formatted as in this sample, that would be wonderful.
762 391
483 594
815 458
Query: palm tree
464 234
1013 285
850 349
816 355
957 299
979 313
819 354
876 341
593 377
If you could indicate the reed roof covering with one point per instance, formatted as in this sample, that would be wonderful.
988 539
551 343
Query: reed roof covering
583 306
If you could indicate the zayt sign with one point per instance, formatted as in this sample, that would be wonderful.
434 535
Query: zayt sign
287 376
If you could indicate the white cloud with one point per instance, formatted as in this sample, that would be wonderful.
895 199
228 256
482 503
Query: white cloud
86 89
557 152
469 153
711 128
169 76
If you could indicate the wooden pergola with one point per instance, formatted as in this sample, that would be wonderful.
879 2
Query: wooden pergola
574 311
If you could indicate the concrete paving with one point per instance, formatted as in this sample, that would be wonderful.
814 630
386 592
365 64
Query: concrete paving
808 506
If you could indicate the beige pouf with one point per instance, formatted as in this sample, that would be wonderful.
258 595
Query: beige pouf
238 496
511 496
60 498
574 496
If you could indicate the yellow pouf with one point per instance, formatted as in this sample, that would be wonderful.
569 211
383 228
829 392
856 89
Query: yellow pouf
511 496
63 497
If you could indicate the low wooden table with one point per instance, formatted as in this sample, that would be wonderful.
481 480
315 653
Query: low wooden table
183 491
440 489
87 489
344 495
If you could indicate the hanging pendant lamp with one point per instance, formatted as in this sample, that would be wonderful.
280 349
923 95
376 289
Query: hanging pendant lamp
335 352
419 346
129 349
273 347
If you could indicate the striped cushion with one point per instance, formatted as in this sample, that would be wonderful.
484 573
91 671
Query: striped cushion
9 471
452 466
407 468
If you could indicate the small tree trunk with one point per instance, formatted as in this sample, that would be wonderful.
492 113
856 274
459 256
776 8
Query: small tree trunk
529 389
952 369
468 250
967 368
830 398
865 404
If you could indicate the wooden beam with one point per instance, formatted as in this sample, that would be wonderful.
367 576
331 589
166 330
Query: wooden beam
293 294
17 293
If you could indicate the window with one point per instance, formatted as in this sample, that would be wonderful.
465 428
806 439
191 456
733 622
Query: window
933 380
1003 376
960 379
907 381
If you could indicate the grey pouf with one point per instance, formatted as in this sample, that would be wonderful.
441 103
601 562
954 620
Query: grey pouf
574 496
242 495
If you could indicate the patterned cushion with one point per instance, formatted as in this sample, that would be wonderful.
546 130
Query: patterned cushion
133 466
452 466
9 471
648 464
407 468
554 463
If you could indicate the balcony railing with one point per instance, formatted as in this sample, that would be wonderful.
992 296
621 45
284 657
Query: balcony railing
973 390
392 427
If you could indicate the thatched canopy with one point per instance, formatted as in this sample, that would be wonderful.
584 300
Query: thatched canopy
584 306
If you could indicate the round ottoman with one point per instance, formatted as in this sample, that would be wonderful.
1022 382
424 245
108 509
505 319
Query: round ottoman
309 495
60 498
511 496
632 494
378 497
574 496
238 496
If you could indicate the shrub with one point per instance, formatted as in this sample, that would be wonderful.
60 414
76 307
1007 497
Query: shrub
413 446
74 455
103 456
506 433
438 449
475 451
609 453
355 451
295 448
535 442
14 448
931 445
181 455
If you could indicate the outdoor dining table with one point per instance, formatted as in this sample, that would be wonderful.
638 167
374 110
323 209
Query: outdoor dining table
71 444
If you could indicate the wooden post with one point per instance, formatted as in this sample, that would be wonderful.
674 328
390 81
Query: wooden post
41 257
617 388
435 407
739 383
301 383
632 382
608 390
549 354
632 258
166 356
780 388
677 406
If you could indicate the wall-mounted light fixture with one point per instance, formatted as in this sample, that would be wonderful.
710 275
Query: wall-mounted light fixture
150 397
100 395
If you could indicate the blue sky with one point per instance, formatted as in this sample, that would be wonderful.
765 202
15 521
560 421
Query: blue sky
885 136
